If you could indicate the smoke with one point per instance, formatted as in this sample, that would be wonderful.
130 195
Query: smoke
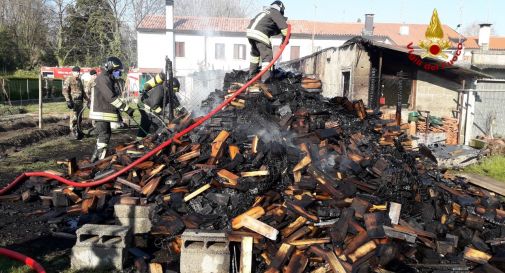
200 86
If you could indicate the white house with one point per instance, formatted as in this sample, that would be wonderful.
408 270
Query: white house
203 48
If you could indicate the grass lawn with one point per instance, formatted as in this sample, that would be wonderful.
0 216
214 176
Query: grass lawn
48 108
61 108
9 266
493 167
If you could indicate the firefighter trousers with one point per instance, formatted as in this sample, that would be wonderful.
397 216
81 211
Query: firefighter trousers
146 121
260 52
104 132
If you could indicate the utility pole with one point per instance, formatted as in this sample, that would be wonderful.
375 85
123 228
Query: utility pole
314 26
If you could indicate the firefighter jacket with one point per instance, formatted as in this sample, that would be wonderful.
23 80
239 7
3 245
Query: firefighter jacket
73 89
152 100
106 101
269 22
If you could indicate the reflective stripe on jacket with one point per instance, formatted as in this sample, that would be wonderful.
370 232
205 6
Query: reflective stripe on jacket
266 24
105 100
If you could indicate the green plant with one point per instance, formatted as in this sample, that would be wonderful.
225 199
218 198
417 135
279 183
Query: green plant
493 167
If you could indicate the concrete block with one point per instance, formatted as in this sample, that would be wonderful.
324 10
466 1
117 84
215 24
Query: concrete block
132 211
136 217
100 247
88 257
204 252
105 236
137 225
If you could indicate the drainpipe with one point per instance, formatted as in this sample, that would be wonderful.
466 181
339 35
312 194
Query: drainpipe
460 111
205 50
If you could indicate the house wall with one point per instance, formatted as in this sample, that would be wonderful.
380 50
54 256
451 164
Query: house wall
436 94
488 58
488 111
328 65
200 50
361 76
151 49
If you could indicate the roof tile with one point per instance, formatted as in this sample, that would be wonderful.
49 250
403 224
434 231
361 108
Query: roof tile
303 27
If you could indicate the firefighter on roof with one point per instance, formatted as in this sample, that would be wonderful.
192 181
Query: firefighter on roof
268 23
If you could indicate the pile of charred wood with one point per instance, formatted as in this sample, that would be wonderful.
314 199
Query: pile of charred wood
308 179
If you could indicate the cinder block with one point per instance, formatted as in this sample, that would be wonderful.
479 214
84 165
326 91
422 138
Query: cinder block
136 217
132 211
106 236
138 225
100 247
88 257
204 252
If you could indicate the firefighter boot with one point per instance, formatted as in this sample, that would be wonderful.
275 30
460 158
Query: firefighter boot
253 70
77 133
98 154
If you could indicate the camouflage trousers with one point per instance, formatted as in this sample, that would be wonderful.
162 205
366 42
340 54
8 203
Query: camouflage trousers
76 118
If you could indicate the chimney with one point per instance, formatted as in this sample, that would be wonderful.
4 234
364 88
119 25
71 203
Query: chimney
169 26
169 14
368 30
404 30
484 35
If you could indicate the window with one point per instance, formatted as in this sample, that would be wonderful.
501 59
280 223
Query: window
295 52
219 51
239 52
180 49
346 82
275 50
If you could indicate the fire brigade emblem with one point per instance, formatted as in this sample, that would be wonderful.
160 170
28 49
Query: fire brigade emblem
434 44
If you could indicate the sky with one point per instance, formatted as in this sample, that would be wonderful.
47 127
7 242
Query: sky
451 12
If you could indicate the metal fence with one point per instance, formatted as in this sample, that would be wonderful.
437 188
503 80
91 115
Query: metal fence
489 109
24 91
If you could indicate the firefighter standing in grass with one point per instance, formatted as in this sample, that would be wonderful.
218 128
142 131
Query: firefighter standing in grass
151 104
74 94
269 22
106 103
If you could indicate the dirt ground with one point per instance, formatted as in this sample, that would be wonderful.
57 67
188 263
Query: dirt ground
24 227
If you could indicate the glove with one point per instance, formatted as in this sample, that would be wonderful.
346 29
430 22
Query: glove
70 104
130 112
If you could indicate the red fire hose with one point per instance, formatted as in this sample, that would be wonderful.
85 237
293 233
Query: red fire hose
104 180
22 258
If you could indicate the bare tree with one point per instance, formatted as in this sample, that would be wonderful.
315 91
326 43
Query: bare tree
58 10
473 30
27 21
216 8
139 9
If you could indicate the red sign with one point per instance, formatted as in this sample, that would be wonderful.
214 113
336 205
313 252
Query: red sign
63 72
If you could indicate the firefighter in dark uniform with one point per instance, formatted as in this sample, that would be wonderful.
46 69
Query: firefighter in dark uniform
151 104
268 23
106 102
